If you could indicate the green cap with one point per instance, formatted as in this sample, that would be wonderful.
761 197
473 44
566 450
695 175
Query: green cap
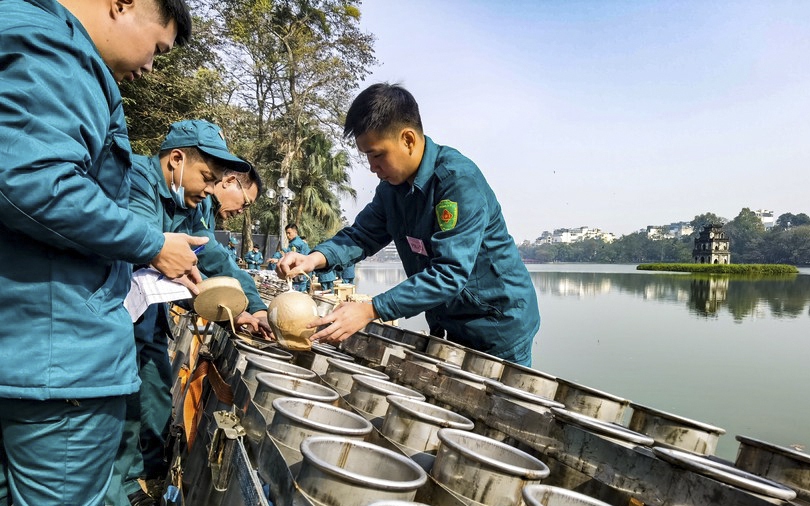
205 136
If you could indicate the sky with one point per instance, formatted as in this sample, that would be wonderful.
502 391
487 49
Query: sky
608 114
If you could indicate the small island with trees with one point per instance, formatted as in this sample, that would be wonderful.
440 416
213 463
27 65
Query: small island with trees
746 269
787 242
712 254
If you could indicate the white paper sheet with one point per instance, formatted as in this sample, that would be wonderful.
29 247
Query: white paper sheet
148 288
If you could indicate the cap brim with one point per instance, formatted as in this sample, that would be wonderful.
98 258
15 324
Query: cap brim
227 159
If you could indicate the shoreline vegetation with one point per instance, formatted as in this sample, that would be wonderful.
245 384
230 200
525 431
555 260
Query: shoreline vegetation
744 269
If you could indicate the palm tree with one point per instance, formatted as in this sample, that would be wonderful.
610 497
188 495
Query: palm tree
320 180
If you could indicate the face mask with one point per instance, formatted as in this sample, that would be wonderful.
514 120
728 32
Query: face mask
178 192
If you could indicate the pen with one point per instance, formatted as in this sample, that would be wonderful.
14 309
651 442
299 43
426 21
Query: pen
195 251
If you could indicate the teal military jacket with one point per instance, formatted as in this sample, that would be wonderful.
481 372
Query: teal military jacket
217 258
254 258
67 237
299 245
326 275
346 272
464 270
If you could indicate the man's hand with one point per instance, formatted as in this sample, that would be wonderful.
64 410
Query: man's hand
344 321
176 258
254 325
190 280
264 325
293 264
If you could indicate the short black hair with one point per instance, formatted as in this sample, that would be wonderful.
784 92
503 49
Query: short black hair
178 11
249 178
382 108
292 226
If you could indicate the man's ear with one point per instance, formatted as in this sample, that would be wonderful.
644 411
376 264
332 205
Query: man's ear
118 7
408 138
176 157
228 180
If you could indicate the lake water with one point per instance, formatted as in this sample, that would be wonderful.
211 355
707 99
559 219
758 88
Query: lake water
729 352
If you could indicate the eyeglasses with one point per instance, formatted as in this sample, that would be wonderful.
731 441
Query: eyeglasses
245 195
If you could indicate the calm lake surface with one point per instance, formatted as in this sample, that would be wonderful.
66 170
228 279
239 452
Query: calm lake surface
730 352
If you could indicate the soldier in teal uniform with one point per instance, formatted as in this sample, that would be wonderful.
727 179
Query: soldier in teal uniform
68 239
233 242
232 196
297 245
235 193
326 277
346 273
167 189
276 256
463 267
254 258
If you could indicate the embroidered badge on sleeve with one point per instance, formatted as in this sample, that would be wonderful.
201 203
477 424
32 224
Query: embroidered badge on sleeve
447 214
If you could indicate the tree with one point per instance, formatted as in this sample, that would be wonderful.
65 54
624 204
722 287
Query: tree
186 83
299 62
746 233
323 177
787 220
704 219
788 246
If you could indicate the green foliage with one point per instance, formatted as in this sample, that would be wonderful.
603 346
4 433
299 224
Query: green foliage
277 76
325 179
301 62
787 220
746 233
706 219
747 269
632 248
750 244
187 83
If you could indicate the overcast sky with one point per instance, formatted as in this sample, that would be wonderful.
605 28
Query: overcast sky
609 114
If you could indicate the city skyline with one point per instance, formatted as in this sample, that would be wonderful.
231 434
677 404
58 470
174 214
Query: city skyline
615 114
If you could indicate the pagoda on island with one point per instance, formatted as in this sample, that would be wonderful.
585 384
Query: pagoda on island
712 246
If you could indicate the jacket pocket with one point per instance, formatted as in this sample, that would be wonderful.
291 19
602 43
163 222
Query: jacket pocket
112 292
468 303
111 170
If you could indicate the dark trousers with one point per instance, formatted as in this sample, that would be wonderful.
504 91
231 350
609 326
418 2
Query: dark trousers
58 452
141 453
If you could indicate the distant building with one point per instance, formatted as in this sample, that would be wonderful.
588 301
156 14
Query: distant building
712 246
671 231
572 235
545 238
653 232
680 229
766 217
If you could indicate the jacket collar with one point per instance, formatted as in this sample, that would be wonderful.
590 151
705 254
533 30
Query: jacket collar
61 12
163 187
428 164
425 171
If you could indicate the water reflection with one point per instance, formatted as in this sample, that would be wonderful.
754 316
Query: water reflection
703 295
373 278
707 295
726 351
